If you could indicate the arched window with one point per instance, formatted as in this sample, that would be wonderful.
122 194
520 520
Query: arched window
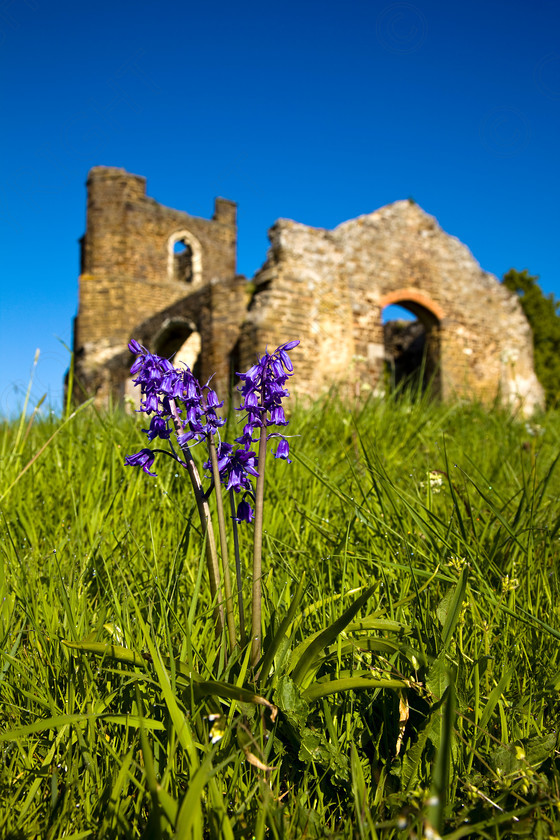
182 262
184 258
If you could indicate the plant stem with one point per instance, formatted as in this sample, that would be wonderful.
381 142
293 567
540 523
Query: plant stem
205 524
238 570
230 617
257 551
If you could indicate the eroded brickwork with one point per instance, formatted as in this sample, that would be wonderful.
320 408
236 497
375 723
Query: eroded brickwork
160 275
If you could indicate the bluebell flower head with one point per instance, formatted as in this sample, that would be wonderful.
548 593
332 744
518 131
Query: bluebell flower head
262 388
145 458
283 450
173 397
245 512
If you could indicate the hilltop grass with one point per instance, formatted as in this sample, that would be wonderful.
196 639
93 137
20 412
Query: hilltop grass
448 514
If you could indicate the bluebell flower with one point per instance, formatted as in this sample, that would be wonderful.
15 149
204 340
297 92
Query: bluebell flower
283 450
245 512
145 458
242 464
158 428
212 400
235 467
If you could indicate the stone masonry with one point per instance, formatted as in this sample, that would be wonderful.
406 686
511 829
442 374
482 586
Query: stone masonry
169 280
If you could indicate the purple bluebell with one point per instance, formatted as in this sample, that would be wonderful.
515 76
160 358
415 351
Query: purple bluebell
174 397
158 428
242 464
262 388
235 467
283 450
245 512
145 458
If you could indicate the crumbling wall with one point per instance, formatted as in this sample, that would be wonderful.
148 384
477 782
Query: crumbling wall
329 288
160 275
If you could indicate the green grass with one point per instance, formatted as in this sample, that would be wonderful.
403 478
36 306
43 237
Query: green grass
449 515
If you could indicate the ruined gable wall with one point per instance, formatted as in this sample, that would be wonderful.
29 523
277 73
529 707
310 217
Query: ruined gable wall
400 247
397 254
482 326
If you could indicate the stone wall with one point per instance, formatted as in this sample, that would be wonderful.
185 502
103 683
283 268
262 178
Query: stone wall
327 288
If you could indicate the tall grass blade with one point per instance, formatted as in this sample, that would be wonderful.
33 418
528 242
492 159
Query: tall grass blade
305 661
442 770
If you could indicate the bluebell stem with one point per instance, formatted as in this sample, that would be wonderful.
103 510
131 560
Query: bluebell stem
223 542
263 390
238 575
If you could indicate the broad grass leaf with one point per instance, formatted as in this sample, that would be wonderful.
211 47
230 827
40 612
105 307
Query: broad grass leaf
442 769
189 822
58 721
108 651
201 688
360 793
413 757
289 700
214 688
314 747
492 701
324 638
323 689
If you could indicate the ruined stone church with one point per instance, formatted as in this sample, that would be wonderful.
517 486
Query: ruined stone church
169 280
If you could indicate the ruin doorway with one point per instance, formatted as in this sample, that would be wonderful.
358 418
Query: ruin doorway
180 342
411 338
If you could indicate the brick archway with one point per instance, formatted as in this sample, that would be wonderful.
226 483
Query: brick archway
179 340
415 300
413 353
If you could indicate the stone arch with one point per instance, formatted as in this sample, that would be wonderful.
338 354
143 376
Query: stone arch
414 299
178 268
422 356
179 340
167 332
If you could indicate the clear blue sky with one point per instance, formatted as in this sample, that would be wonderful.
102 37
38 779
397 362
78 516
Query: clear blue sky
315 111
